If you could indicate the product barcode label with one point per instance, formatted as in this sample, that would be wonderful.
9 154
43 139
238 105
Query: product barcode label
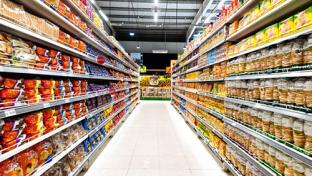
10 112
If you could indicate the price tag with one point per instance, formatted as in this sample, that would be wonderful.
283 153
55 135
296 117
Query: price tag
31 71
46 105
10 112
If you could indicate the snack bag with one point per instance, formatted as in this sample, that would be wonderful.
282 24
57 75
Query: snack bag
286 27
272 32
44 150
28 160
34 124
10 168
12 133
23 54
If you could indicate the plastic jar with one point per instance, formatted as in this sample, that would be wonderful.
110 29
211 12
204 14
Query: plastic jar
260 150
266 121
278 125
278 56
269 88
256 90
288 171
299 136
307 51
291 95
287 128
298 168
308 135
299 91
279 163
272 156
296 53
286 55
308 93
283 90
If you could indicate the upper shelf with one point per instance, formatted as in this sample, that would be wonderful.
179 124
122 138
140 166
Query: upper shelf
47 12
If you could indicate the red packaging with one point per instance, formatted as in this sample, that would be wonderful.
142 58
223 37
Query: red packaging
33 118
10 168
28 160
31 84
48 84
44 150
10 93
10 83
73 42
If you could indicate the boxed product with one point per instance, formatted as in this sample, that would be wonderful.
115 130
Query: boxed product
303 20
286 27
272 32
12 11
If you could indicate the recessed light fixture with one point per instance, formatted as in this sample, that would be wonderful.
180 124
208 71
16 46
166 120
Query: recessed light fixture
138 47
155 17
131 34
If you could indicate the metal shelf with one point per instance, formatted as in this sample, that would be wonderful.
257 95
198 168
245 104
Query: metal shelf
241 11
96 30
47 12
29 108
275 14
199 80
282 147
22 32
284 111
188 61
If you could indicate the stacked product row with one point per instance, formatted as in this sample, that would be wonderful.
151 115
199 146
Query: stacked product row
65 86
247 80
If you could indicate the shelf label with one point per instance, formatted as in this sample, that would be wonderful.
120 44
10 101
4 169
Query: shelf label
10 112
46 105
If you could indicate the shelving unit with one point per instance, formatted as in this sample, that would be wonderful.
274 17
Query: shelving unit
194 90
116 91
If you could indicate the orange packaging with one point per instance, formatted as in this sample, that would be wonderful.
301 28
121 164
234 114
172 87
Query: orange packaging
44 150
28 160
10 168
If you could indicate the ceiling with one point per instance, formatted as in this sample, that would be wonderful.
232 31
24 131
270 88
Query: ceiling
175 18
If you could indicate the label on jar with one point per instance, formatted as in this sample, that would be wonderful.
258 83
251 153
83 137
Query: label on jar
308 128
298 126
287 122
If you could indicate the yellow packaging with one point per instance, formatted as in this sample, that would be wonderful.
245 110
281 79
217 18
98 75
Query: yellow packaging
245 20
272 32
249 42
265 6
261 37
255 13
303 20
286 27
275 3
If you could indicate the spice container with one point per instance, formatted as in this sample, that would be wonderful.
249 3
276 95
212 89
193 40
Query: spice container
308 93
269 87
298 168
279 163
272 156
296 53
308 135
299 137
283 90
288 171
307 51
291 95
286 53
299 92
278 125
287 128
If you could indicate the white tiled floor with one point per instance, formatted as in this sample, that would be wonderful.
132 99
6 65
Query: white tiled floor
155 141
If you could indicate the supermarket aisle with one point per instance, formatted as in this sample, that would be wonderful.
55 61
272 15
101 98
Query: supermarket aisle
155 141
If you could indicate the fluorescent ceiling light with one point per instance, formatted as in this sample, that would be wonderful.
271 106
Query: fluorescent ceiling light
138 47
131 34
155 17
160 51
156 2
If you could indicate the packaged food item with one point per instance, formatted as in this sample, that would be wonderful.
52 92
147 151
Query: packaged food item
266 121
260 150
269 89
278 125
307 50
52 3
308 171
296 52
286 53
279 163
287 26
11 168
12 133
272 156
262 89
256 90
12 11
291 95
287 128
308 135
278 59
44 150
308 93
289 171
272 32
299 91
266 152
34 124
298 168
28 160
283 90
303 19
299 136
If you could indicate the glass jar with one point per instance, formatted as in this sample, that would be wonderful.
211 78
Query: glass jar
308 93
308 135
286 55
287 128
299 92
307 51
278 125
282 90
279 164
299 137
291 93
296 52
